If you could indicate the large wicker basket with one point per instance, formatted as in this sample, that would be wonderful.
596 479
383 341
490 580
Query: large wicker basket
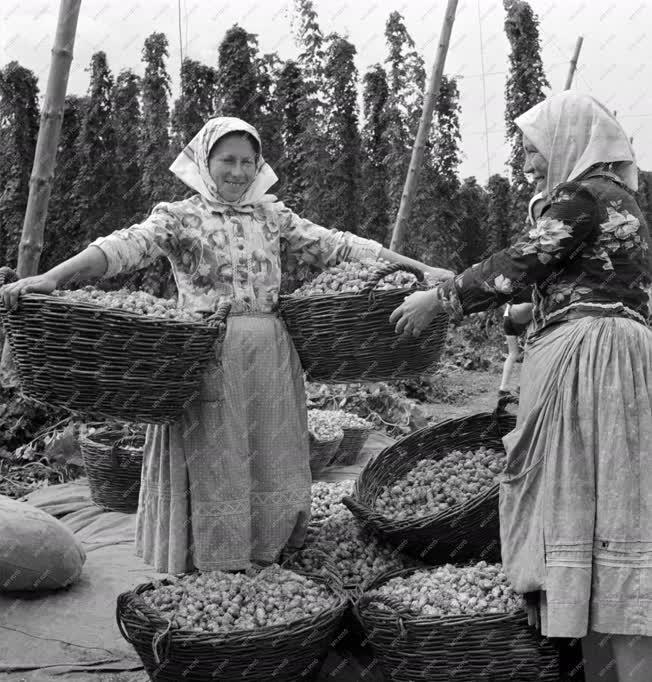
348 337
473 648
105 363
285 653
464 532
113 463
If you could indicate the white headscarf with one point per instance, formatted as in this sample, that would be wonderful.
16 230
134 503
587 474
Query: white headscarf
191 166
573 132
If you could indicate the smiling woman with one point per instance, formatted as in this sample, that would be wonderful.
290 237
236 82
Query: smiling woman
232 164
229 484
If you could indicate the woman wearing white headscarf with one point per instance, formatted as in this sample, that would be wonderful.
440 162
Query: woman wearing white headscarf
576 500
229 484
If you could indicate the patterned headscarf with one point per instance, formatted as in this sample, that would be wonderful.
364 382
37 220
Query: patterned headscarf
574 132
191 166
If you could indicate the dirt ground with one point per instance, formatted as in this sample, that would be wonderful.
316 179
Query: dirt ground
478 391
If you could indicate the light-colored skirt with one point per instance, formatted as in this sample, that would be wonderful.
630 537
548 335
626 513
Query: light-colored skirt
229 484
576 502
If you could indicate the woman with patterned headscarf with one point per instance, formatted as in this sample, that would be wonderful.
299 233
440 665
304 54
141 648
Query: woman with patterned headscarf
230 483
576 500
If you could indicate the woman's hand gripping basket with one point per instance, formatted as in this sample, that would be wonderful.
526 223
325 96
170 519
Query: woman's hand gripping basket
434 493
274 623
347 337
452 623
109 363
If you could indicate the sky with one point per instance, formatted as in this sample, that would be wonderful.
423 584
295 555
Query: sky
615 64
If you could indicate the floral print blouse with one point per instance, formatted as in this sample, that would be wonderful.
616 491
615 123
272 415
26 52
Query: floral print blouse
589 248
229 252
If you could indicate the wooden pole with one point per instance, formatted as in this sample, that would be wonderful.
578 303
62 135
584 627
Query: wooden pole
573 63
424 128
40 183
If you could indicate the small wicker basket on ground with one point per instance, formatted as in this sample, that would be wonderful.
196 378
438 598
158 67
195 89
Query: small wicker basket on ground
321 453
351 446
113 463
348 337
473 648
285 653
106 363
467 531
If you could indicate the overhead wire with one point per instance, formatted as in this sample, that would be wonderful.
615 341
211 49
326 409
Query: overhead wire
484 93
180 35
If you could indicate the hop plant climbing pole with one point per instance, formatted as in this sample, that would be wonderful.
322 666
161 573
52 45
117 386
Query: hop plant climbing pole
40 184
424 127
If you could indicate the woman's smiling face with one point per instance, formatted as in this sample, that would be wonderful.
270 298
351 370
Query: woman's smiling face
535 163
232 165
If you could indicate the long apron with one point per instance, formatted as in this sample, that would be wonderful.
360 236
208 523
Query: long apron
229 484
576 502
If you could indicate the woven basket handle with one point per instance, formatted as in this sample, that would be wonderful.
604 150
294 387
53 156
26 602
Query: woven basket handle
327 563
121 603
366 515
386 599
161 639
131 601
115 462
352 504
113 454
113 449
390 269
7 275
398 610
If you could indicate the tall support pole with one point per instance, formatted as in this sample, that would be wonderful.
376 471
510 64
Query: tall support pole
40 183
424 128
573 63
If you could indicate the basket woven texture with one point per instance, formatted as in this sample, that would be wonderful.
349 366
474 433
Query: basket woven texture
348 337
351 446
108 364
321 453
285 653
113 469
468 531
473 648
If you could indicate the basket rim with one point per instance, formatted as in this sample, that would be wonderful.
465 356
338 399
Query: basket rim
109 430
93 440
316 441
341 295
475 619
434 518
111 313
236 636
359 428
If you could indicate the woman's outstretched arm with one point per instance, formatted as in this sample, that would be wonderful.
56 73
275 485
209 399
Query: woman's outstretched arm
89 264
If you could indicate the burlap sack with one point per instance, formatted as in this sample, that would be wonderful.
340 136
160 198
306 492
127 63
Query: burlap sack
37 552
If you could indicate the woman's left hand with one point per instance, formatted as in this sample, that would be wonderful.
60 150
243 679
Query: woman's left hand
416 312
